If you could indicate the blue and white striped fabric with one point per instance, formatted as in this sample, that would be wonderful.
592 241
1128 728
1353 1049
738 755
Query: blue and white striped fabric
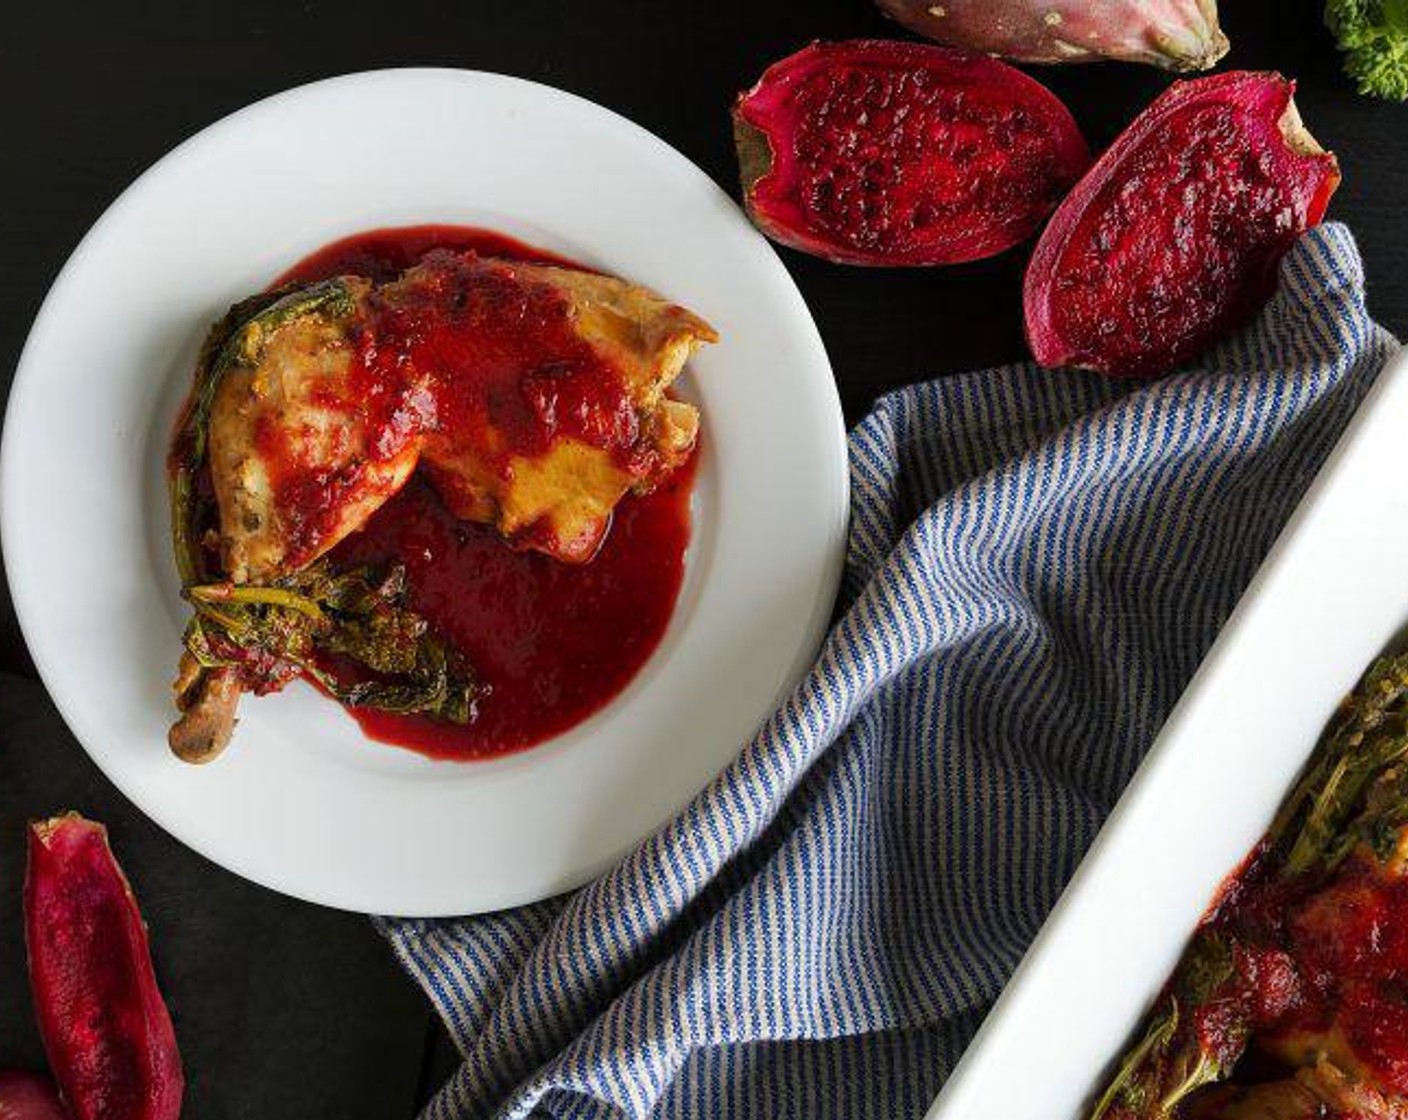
1037 563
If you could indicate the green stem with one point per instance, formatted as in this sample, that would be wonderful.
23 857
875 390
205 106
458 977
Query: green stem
269 596
1159 1035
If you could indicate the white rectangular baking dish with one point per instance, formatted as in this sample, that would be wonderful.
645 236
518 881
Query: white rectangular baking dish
1331 595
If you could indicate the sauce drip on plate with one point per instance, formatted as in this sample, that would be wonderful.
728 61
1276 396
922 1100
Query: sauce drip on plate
552 642
383 254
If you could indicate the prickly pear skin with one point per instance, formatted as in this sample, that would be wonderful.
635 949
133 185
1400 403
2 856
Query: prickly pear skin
105 1026
894 153
1172 240
1172 34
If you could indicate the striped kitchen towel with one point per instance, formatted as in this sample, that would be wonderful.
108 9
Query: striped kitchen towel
1037 562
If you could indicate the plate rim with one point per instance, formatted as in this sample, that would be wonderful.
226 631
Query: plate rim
25 380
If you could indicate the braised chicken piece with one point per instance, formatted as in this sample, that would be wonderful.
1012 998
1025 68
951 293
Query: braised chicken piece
531 396
1316 1092
1291 1001
290 459
548 467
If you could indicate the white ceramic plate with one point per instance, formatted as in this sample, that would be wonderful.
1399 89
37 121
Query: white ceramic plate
302 802
1330 597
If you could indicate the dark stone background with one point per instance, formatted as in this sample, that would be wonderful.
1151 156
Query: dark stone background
285 1009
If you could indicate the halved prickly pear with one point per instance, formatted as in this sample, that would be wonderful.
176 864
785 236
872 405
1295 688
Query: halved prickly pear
1174 236
877 152
1173 34
104 1024
29 1096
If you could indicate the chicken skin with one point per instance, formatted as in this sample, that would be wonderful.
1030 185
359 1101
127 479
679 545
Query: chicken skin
534 397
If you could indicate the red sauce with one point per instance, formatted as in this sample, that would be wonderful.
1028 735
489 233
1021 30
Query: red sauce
383 254
464 354
1315 954
551 642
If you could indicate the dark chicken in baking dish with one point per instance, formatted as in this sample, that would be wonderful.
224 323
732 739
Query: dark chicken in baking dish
1291 1001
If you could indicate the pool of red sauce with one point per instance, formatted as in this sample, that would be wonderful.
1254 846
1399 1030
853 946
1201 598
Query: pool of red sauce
551 642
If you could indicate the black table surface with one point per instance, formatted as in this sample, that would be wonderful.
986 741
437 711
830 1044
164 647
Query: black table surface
285 1009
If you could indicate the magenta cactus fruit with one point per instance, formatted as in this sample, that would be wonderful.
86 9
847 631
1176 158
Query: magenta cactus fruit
877 152
1173 34
29 1096
1174 236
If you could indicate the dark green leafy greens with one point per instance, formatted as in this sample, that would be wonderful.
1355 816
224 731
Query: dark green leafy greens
357 615
309 619
1342 798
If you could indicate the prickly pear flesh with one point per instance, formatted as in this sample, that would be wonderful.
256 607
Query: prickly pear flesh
1174 236
879 152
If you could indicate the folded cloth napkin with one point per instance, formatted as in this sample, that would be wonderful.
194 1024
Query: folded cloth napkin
1037 562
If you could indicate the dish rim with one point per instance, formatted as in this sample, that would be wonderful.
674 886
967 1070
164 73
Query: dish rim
25 382
1050 973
